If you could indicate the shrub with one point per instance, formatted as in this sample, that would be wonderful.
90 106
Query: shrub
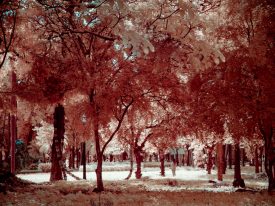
45 167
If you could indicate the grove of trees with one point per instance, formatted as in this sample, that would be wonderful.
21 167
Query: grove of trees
139 72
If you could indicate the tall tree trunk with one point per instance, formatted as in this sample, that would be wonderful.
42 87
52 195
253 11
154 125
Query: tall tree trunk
243 156
8 140
99 154
229 156
256 160
137 152
224 159
2 140
131 163
238 181
77 153
269 159
83 152
209 160
12 143
162 167
266 127
30 135
188 157
220 160
13 127
57 146
261 159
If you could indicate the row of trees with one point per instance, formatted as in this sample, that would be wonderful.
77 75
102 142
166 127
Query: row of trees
140 72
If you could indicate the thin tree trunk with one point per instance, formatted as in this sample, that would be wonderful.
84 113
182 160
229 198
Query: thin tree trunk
261 159
238 181
220 161
131 163
209 160
57 146
256 160
99 154
243 157
83 152
229 156
188 157
12 143
8 140
224 159
77 158
2 140
162 167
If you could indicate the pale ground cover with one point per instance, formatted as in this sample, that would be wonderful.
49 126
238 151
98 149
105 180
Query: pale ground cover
190 186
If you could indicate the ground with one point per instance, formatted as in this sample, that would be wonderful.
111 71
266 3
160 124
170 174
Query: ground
190 186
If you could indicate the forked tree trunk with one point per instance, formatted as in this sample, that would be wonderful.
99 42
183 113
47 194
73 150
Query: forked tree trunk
137 152
57 145
131 163
238 181
220 161
162 166
256 160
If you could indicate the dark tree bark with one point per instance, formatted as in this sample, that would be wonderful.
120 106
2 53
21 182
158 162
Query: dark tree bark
256 160
99 154
57 146
12 143
162 166
261 159
30 135
220 161
131 162
210 160
229 153
8 140
224 159
2 139
243 157
137 152
83 152
238 181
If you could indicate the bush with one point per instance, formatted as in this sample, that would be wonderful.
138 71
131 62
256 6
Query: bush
45 167
33 166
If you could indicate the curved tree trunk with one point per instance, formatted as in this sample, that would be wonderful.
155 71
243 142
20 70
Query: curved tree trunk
238 181
57 146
